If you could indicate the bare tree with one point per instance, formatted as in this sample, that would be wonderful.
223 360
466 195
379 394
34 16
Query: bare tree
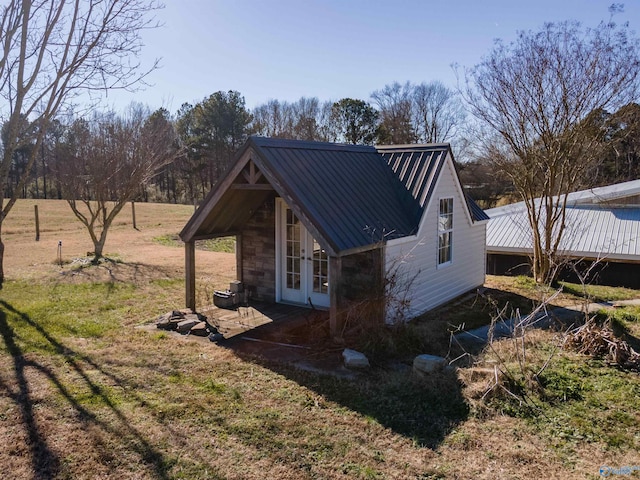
438 113
427 113
52 50
304 119
395 104
307 115
536 97
108 159
273 119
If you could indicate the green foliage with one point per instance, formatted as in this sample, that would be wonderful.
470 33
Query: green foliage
523 281
559 386
355 120
628 317
168 282
624 128
212 130
221 244
574 399
168 240
53 312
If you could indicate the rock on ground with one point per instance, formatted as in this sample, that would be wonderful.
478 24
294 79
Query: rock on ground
353 359
428 363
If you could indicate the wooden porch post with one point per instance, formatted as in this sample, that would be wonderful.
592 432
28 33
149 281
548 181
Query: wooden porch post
239 258
335 274
190 274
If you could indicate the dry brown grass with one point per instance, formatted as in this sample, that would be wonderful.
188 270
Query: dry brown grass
84 393
138 259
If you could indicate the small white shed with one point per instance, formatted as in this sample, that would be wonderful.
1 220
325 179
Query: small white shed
321 224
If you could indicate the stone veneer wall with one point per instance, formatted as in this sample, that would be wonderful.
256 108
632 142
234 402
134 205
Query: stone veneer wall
361 275
259 253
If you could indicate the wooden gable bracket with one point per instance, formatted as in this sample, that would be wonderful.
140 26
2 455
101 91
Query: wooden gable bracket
252 175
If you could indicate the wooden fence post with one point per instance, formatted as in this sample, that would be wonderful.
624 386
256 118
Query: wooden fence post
133 214
35 208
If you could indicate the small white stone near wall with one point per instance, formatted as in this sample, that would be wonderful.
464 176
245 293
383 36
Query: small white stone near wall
353 359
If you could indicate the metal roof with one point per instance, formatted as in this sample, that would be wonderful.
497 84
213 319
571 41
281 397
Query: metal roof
344 190
346 194
599 195
418 168
592 231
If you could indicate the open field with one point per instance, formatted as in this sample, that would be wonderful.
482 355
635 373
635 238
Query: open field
140 255
85 393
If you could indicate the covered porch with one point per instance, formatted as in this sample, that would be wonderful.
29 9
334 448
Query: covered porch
296 241
278 259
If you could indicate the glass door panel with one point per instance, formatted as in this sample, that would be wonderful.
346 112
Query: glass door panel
293 251
292 257
304 264
320 269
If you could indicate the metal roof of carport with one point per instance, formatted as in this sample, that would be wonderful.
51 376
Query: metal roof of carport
346 194
592 232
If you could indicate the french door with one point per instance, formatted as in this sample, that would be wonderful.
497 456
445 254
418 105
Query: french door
304 265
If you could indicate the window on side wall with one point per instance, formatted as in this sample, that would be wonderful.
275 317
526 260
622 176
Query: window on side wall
445 231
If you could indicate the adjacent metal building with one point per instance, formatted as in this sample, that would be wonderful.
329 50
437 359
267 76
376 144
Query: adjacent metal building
325 225
603 225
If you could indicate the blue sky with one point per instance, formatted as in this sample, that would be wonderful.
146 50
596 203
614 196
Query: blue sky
332 49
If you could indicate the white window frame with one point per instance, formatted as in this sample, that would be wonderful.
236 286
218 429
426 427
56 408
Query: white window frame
443 230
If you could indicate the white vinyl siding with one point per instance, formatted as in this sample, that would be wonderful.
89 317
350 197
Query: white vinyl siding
415 261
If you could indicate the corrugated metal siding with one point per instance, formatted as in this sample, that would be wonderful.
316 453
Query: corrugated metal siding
592 231
618 194
434 286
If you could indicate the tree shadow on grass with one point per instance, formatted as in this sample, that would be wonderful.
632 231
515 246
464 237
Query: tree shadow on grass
44 461
424 409
116 271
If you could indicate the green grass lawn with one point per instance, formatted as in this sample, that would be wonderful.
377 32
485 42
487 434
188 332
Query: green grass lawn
85 392
221 244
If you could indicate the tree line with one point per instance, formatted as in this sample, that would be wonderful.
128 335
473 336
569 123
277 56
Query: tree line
553 111
210 132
